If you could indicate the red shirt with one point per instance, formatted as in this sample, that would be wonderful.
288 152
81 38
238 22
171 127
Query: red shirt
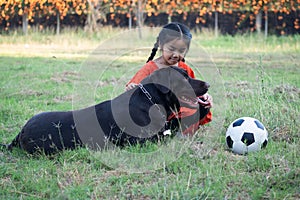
151 66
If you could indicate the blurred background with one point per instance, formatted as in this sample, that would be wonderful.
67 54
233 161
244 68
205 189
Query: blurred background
222 16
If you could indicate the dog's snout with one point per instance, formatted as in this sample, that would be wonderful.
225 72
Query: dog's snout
207 85
204 85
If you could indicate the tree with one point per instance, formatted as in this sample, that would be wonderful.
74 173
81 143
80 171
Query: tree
255 10
97 10
258 7
24 8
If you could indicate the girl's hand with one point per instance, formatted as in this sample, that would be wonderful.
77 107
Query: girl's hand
131 86
207 101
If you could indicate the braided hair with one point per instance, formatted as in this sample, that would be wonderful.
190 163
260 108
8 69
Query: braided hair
171 31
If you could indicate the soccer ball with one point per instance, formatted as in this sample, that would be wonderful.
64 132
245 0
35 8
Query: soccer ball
245 135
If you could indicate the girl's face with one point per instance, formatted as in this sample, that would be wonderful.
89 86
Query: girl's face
174 51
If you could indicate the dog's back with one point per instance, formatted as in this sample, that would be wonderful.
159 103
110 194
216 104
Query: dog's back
113 119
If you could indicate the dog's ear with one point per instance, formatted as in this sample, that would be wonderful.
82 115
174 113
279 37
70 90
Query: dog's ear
162 79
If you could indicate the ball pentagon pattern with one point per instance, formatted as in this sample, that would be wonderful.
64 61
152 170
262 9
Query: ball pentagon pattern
246 134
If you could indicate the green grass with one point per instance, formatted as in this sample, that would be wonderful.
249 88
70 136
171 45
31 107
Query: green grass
249 76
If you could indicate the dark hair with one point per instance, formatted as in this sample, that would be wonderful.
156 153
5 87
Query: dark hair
170 32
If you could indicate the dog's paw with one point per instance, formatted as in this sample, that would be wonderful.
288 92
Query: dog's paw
167 132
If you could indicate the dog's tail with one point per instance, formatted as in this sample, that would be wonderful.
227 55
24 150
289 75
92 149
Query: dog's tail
4 147
9 147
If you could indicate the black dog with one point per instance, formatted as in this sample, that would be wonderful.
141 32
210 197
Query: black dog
133 117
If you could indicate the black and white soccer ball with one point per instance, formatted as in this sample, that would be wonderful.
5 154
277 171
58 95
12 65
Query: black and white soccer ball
246 134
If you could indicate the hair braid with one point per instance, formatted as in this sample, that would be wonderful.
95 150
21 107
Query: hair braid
154 50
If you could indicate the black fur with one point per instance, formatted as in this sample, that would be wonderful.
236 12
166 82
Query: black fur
54 131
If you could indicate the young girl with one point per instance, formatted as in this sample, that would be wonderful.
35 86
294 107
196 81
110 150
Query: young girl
174 41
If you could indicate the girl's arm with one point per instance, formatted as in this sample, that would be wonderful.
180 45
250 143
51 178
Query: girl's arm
145 71
130 86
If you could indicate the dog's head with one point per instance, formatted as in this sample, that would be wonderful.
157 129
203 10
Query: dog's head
175 80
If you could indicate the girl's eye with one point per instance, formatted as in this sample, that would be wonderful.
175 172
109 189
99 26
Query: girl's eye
173 49
181 51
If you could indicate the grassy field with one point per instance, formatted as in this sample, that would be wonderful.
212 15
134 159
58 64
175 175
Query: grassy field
249 76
